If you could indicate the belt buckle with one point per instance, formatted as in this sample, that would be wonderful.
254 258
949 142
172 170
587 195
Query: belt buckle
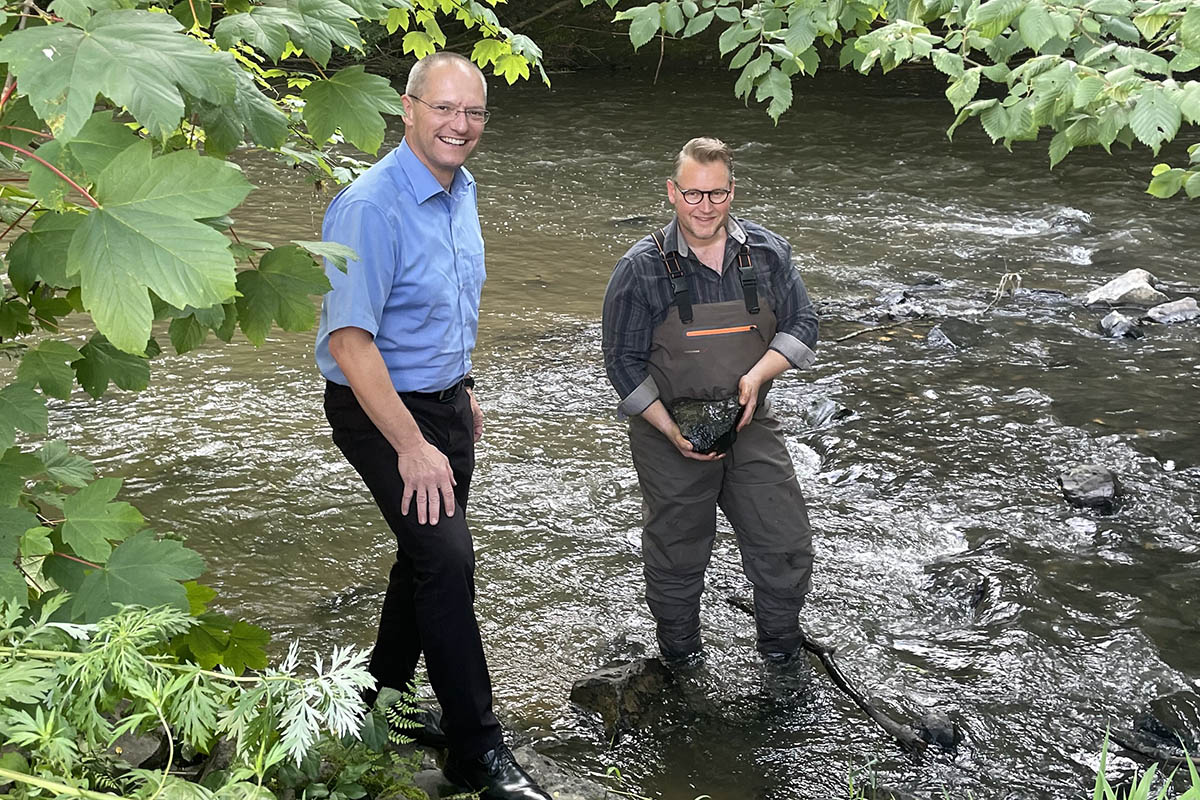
449 393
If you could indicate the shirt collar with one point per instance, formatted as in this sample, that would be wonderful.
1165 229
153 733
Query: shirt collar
424 185
673 241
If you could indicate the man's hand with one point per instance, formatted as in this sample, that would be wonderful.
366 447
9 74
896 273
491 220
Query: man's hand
748 387
428 479
477 414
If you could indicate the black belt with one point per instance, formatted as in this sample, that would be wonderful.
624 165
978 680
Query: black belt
444 396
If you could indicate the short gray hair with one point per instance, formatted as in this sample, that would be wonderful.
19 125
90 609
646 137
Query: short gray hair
418 75
704 150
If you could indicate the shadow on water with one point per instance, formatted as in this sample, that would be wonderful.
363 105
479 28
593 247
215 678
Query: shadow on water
951 574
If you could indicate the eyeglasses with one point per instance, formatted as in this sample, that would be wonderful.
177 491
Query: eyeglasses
478 116
715 196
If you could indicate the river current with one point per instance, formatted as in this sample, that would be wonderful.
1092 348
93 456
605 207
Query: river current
951 574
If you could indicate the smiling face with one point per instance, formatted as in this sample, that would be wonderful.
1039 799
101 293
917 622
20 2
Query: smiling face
440 140
704 223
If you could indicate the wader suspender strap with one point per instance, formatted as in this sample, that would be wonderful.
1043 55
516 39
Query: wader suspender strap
683 295
749 281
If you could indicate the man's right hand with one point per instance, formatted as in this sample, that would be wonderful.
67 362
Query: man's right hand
428 480
658 416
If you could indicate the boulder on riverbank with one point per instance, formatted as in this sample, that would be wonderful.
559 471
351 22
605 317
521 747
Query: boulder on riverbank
1117 325
1134 288
1175 311
1091 486
560 783
623 694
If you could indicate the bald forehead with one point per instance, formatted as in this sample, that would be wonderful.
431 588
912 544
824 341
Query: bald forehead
423 74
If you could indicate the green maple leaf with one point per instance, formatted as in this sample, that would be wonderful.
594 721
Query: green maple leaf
93 520
351 100
199 596
187 333
101 363
64 466
219 640
337 254
280 290
251 114
141 570
82 158
13 524
16 468
40 254
49 365
145 237
135 58
21 408
313 25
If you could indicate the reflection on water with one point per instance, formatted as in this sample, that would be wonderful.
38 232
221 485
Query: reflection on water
951 574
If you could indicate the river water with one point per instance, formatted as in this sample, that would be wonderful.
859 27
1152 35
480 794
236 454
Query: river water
951 574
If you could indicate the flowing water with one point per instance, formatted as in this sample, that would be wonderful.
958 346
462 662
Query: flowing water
951 574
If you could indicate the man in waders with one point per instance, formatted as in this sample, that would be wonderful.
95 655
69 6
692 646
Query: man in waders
710 307
394 345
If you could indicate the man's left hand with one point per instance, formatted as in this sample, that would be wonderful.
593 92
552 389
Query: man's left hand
477 414
748 387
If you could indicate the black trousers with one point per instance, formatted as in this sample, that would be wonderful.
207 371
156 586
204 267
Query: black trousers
429 605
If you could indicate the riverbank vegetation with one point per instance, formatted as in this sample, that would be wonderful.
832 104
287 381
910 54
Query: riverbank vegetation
120 212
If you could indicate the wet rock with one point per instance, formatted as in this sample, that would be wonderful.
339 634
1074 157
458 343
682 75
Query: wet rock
139 750
623 694
634 219
707 424
938 338
1175 311
1134 288
1071 220
1172 721
955 333
1117 325
559 783
899 304
926 279
937 728
823 412
1091 486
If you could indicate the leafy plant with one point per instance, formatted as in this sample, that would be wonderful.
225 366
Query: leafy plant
1091 72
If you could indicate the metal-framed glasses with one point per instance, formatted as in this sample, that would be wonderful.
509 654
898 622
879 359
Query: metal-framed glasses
715 196
477 116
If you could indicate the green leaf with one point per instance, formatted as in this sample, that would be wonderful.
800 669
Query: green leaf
1060 146
419 43
336 254
101 363
145 238
644 25
1142 60
13 524
1150 24
995 122
1117 7
948 63
1087 90
993 16
728 13
193 13
251 115
733 36
314 25
801 34
199 596
219 640
753 70
280 290
963 90
21 408
1189 29
1188 100
92 520
1035 26
187 333
698 24
351 100
486 51
16 468
1192 187
1155 118
778 87
141 571
64 466
49 365
743 56
673 20
136 58
82 158
1167 184
40 254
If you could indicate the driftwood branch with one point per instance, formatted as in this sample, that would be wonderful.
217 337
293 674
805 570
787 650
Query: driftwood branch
906 735
1172 757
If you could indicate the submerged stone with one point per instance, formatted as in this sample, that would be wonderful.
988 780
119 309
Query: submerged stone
1091 486
1134 288
1175 311
623 694
707 424
1117 325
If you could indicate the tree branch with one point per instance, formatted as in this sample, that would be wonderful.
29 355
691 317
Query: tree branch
53 169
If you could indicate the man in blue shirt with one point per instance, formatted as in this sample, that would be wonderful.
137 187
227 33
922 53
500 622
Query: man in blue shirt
395 341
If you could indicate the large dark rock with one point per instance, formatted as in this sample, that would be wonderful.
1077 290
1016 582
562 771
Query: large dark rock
937 728
1175 311
707 424
899 304
1134 288
623 694
1091 486
1117 325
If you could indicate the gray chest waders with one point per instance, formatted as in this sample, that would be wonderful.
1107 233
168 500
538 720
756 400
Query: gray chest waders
701 351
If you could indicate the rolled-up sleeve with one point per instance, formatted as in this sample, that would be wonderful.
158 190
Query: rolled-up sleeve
628 331
358 295
796 319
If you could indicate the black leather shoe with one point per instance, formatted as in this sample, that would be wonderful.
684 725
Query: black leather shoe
496 775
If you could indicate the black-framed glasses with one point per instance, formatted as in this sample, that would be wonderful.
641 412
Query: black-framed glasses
715 196
478 116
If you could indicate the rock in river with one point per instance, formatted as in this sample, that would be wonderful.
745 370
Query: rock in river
1116 325
623 694
1091 486
1134 288
1175 311
707 424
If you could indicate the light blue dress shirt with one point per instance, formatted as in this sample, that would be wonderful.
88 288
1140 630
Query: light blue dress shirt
416 283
